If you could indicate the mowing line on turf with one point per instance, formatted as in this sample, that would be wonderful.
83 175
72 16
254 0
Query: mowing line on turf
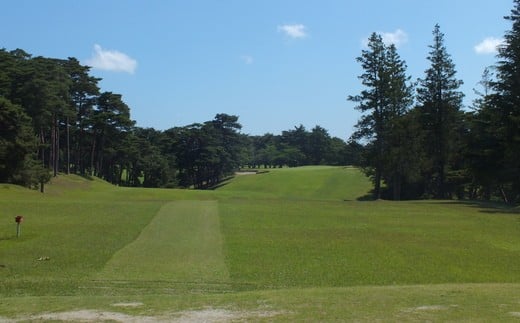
182 243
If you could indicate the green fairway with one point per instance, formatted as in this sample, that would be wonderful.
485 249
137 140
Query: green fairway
303 183
182 244
352 243
286 245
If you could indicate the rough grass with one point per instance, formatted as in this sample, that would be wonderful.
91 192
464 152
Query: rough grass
417 303
287 245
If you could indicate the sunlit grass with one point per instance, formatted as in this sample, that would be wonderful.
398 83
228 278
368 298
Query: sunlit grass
300 243
305 183
182 244
294 242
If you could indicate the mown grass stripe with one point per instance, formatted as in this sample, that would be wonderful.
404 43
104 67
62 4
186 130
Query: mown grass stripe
182 243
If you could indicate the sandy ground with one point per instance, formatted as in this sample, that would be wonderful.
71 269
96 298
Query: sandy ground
245 173
204 315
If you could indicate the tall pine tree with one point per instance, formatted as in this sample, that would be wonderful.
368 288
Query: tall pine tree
440 107
399 154
504 107
385 99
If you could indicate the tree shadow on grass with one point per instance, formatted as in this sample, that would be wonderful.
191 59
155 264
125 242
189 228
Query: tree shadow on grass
220 184
87 177
490 207
483 206
369 197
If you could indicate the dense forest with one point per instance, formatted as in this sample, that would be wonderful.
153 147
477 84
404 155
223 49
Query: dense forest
54 118
415 139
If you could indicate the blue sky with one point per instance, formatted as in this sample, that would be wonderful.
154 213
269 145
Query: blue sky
274 63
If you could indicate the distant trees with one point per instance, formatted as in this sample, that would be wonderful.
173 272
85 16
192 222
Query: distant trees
300 147
414 140
206 153
54 118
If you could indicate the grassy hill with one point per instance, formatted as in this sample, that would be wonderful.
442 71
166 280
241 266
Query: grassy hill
302 183
286 245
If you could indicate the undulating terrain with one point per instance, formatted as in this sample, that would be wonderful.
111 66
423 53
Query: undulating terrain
287 244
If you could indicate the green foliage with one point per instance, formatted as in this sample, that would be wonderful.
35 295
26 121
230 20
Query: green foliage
385 101
206 153
299 147
17 146
84 131
499 111
441 118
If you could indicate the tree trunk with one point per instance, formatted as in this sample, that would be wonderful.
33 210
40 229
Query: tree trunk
377 184
52 148
92 155
42 146
56 147
68 147
397 187
504 195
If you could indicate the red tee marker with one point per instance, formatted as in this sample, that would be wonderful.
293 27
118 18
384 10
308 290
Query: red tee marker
19 220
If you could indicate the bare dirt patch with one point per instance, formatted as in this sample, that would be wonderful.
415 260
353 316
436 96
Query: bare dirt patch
203 315
128 304
94 316
431 308
222 315
245 173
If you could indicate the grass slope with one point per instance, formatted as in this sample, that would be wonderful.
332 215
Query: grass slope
302 183
287 245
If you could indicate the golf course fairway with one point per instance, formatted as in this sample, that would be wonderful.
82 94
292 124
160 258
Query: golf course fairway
284 245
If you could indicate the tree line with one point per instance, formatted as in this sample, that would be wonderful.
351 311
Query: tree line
54 118
414 139
419 140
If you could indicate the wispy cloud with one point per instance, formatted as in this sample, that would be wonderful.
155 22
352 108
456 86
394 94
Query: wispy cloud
248 59
111 60
294 31
489 45
398 38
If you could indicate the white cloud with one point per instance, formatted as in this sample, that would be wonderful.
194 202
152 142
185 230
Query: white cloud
489 45
398 38
247 59
111 60
294 31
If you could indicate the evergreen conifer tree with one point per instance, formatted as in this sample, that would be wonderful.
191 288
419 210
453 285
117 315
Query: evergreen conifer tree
440 107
